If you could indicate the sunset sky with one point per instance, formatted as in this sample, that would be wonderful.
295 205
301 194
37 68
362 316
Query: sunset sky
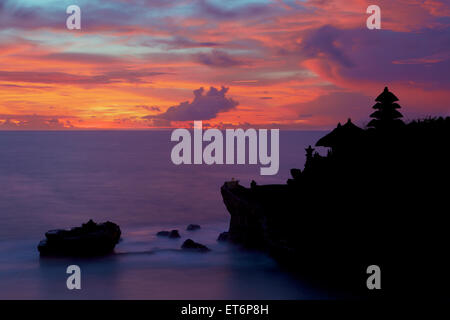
286 64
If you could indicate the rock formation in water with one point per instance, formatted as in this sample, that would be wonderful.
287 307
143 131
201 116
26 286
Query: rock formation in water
223 237
88 240
190 244
174 234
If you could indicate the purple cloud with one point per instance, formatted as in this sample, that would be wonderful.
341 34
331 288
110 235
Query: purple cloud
359 54
245 11
217 58
67 78
149 108
205 106
179 42
322 42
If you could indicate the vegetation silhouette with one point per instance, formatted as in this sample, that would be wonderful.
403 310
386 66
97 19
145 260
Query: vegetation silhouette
378 197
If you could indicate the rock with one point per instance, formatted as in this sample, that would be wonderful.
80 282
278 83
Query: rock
171 234
88 240
189 244
174 234
224 236
247 214
193 227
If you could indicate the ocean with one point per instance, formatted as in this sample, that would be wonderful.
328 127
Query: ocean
60 179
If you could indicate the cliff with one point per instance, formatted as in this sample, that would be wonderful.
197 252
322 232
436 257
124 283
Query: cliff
378 197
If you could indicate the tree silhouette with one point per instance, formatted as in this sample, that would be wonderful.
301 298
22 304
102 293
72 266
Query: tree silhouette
386 114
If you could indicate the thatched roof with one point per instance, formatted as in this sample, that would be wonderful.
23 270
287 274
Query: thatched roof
341 134
330 139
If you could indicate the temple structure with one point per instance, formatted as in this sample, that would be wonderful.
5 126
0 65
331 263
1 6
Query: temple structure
386 114
341 136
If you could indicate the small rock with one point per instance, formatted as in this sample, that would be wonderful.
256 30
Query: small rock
193 227
224 236
163 234
189 244
174 234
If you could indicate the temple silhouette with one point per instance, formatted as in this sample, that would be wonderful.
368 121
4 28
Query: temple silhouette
386 114
377 197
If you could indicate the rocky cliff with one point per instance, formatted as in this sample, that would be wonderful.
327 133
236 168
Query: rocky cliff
378 197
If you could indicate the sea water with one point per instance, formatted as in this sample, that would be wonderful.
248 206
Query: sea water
61 179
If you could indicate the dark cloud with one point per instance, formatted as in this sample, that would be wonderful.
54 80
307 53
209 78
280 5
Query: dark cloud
67 78
217 58
148 108
205 106
152 3
179 42
12 15
355 55
116 16
247 11
323 42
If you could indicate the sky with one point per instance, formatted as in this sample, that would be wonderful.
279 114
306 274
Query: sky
287 64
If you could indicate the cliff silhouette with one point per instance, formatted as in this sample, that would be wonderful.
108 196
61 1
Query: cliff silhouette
378 197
